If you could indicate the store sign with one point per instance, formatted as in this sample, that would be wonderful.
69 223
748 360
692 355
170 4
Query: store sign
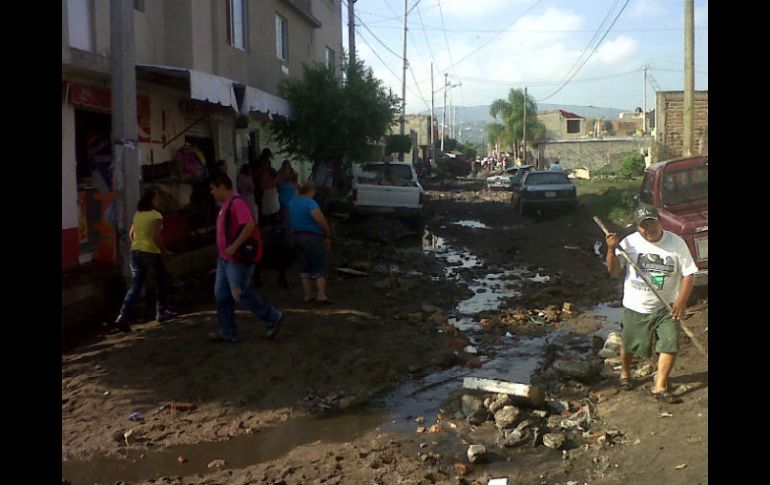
96 98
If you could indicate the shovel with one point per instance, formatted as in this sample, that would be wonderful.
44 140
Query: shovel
653 288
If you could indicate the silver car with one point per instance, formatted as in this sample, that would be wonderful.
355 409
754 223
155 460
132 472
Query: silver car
506 179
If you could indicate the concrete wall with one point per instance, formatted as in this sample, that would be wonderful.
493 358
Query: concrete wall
593 154
669 124
329 12
556 126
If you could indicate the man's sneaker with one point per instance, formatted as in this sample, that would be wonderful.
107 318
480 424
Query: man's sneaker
166 316
121 324
273 331
218 338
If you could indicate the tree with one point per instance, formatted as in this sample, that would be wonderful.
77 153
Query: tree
333 120
510 112
398 143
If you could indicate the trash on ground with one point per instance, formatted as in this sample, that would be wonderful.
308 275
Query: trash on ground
524 393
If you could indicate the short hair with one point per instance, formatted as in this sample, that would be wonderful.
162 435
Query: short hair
222 180
145 203
306 188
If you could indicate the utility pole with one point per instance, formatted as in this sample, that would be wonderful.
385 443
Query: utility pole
403 80
451 119
124 124
352 31
689 76
644 108
524 135
432 118
443 123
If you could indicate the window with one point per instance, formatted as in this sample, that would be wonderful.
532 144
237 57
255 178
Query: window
281 38
139 5
80 22
684 186
330 63
547 178
236 26
573 126
647 187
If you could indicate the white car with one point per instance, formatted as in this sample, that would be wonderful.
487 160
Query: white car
504 180
386 188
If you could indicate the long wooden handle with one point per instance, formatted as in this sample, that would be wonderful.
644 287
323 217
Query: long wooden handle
652 287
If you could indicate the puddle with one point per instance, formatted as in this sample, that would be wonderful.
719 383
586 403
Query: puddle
238 452
611 314
472 224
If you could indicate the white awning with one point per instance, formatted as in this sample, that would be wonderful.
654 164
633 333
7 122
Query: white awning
203 86
256 100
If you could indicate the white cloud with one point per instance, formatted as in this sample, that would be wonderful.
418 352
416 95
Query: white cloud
616 50
468 8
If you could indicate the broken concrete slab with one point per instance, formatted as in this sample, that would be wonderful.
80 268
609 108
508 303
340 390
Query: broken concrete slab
523 394
477 453
554 440
507 417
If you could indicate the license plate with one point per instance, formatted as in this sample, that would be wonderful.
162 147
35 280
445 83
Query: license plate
550 194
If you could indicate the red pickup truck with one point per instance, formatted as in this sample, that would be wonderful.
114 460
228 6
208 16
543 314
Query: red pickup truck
678 189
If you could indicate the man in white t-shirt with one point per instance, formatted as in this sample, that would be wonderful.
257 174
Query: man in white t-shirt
667 261
555 166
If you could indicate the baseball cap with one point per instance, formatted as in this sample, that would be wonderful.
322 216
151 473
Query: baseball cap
645 212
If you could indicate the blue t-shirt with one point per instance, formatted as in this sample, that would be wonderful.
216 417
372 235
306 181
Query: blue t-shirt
286 193
299 214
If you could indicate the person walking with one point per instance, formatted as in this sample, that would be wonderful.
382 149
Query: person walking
287 190
556 166
147 250
667 261
309 226
235 225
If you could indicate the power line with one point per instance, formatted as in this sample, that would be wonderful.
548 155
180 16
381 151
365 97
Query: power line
430 49
488 31
544 83
377 38
577 67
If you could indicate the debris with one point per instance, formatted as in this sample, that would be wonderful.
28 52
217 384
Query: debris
106 393
540 413
554 440
582 371
517 436
558 406
681 467
135 417
523 393
539 279
461 468
435 429
666 415
477 453
496 403
421 429
352 272
681 389
508 334
181 459
644 371
419 419
638 441
217 464
597 248
471 404
507 417
498 481
127 435
568 307
471 349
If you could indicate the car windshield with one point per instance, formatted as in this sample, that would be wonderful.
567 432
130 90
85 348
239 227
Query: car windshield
546 178
687 185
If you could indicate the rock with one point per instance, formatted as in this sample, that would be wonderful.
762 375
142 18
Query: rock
419 419
582 371
181 459
434 429
553 422
471 404
217 464
554 440
477 453
644 371
421 429
498 403
558 406
507 417
461 468
681 389
612 361
516 437
568 307
540 413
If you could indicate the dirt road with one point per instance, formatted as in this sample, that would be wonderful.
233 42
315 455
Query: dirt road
369 390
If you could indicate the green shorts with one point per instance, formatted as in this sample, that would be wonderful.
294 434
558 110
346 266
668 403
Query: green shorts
639 328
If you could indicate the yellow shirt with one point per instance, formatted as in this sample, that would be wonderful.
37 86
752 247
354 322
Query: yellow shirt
143 240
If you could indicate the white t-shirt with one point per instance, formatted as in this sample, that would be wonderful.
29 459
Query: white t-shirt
665 262
555 168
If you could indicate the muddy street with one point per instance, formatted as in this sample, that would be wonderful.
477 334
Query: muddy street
371 389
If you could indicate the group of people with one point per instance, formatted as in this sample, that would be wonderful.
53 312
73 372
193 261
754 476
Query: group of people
264 198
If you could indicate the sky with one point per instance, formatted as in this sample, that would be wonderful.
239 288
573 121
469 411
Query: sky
491 46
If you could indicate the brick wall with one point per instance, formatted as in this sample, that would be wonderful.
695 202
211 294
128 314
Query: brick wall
669 124
593 154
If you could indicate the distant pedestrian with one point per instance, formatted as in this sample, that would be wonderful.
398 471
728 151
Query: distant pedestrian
556 166
147 250
287 190
246 189
309 228
235 225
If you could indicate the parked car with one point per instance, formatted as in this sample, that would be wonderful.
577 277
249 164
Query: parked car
505 179
543 190
386 188
678 189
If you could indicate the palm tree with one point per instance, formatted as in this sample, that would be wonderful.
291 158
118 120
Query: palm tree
511 113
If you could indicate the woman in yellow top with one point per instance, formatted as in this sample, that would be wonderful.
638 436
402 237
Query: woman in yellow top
147 251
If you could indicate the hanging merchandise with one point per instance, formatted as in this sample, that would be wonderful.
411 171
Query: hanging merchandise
193 164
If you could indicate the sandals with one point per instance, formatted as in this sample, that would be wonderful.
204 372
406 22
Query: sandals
666 397
625 384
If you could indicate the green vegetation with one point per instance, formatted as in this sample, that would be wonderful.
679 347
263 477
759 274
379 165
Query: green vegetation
632 166
398 143
611 200
510 112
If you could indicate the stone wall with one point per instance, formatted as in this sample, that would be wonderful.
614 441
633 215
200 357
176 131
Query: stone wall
593 154
669 123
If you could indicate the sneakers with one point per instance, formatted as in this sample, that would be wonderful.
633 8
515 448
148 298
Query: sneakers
218 338
121 324
272 332
166 316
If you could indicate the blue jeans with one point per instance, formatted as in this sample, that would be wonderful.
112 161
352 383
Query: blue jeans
141 263
235 279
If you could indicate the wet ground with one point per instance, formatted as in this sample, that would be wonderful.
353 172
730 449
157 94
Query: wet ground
479 291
